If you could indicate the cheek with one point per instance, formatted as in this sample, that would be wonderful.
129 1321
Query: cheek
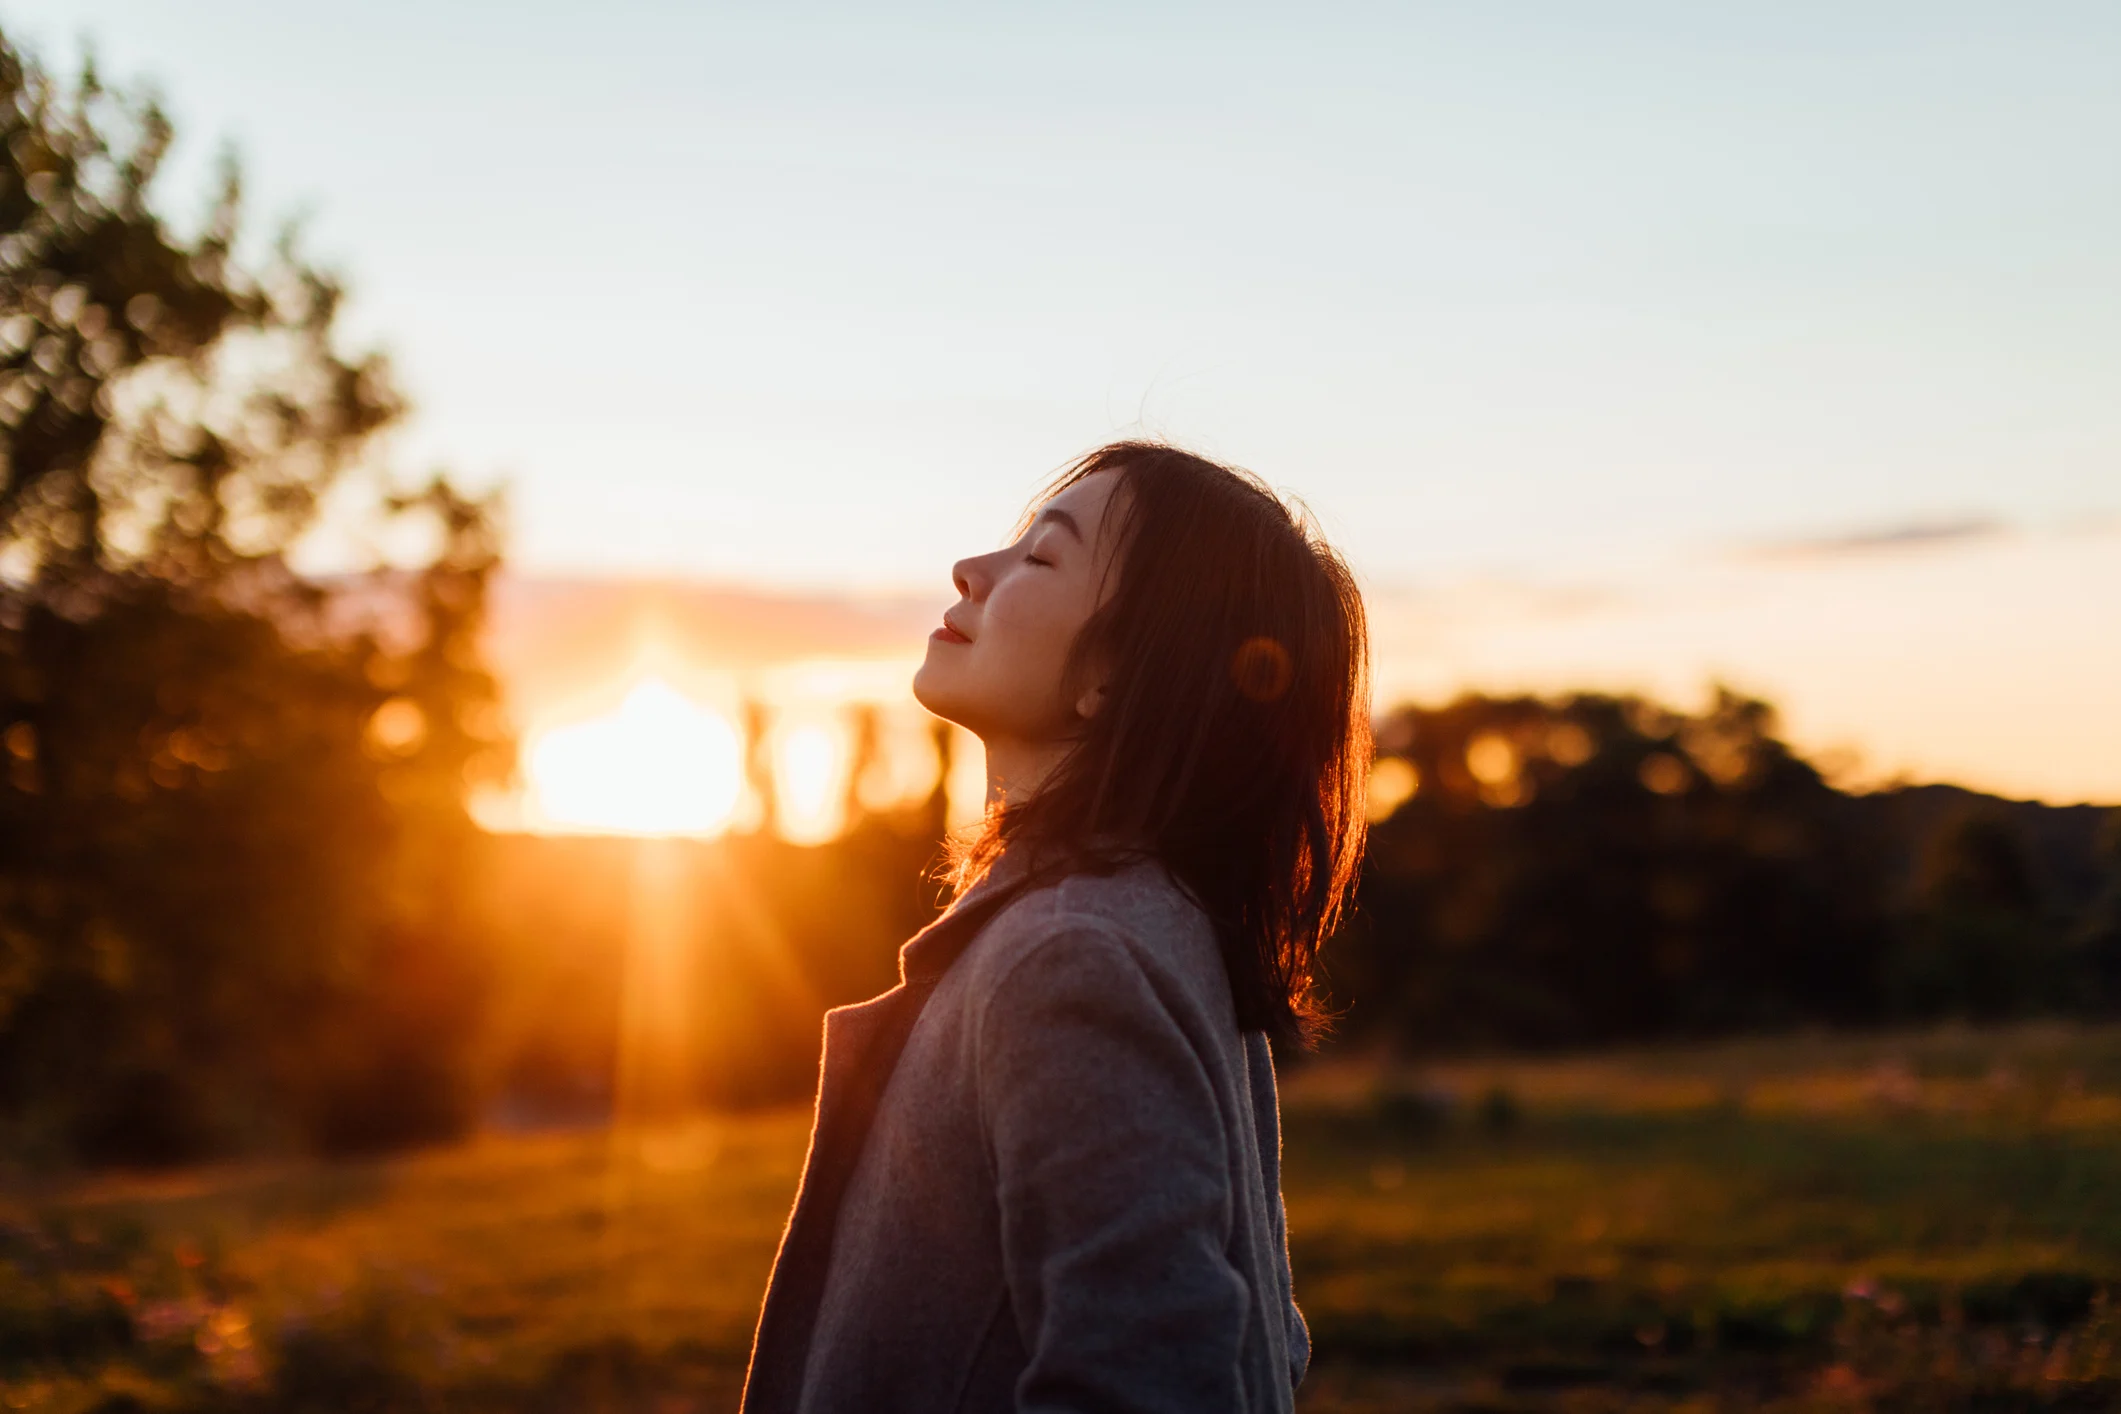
1031 631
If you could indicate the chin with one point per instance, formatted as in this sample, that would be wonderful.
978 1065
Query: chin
943 693
931 689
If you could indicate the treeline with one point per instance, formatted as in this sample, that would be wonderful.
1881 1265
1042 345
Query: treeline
1575 872
1597 869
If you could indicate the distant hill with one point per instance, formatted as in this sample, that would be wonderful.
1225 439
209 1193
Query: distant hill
2064 840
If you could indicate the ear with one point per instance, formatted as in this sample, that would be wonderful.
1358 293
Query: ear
1092 698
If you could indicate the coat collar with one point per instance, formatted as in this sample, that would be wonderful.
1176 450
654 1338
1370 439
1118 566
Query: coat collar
929 953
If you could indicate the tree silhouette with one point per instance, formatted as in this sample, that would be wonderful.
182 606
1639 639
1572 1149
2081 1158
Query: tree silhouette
1977 940
232 816
2097 939
1599 868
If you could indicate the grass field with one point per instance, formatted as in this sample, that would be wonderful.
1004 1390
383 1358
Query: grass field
1910 1223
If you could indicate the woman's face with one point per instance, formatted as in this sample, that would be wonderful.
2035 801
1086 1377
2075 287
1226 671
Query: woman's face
997 665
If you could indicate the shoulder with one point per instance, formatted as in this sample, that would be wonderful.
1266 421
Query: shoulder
1085 927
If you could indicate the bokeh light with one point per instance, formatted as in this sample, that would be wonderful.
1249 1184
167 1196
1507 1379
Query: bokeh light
1393 782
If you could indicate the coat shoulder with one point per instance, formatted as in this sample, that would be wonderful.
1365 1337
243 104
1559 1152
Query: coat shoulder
1139 908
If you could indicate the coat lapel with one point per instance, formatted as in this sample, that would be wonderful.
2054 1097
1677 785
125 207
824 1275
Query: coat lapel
862 1046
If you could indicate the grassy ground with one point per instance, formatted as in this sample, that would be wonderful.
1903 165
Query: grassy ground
1902 1223
1889 1223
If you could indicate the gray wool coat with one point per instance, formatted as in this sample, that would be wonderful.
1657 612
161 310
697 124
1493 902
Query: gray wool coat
1066 1193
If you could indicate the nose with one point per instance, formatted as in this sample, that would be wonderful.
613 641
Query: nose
971 577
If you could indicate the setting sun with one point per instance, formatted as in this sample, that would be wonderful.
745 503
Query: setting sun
660 764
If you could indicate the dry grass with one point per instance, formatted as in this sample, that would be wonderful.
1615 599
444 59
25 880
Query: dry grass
1887 1223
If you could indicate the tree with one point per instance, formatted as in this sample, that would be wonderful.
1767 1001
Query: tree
232 797
1978 940
2098 934
1597 869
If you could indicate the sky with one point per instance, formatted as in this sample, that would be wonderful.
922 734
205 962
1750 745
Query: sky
1639 342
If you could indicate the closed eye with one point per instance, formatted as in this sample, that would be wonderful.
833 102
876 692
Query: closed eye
1035 560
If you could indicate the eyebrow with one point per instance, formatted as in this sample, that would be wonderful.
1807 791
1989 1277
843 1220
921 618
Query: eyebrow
1061 518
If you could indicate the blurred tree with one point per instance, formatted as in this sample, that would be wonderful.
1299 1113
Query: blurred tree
2097 939
1597 869
232 817
166 410
1977 941
1601 868
865 750
758 766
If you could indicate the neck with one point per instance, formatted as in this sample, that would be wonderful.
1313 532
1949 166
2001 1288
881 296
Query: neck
1016 770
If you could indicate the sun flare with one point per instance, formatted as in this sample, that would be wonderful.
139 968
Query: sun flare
659 764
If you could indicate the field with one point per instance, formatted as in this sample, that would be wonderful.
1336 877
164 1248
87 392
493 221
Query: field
1911 1222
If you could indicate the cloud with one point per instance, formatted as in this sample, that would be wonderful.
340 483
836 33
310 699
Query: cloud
1907 535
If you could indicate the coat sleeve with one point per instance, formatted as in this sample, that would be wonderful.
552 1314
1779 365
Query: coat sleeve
1111 1168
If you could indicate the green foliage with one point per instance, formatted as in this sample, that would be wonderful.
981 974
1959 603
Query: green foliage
166 407
231 798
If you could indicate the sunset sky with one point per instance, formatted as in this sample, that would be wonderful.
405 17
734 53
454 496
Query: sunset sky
1629 345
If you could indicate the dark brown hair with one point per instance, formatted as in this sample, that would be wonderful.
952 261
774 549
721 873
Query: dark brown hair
1233 741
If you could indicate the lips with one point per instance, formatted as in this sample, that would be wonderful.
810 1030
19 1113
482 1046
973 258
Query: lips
950 633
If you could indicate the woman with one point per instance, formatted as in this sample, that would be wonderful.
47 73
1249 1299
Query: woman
1045 1169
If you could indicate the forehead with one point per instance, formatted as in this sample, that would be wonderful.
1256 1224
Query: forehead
1084 502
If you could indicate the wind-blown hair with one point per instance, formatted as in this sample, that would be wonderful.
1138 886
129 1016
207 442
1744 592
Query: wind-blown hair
1233 741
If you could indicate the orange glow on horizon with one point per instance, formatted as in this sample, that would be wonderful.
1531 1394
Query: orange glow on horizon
659 764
